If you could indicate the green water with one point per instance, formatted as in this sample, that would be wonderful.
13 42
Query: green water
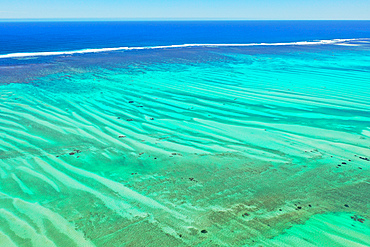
255 146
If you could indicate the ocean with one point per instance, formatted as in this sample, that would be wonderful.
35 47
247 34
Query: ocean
185 133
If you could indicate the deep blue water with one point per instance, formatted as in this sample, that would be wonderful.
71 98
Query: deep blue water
65 36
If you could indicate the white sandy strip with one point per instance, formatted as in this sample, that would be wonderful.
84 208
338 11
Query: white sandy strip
116 187
40 176
24 230
21 185
6 241
325 230
120 207
366 132
36 216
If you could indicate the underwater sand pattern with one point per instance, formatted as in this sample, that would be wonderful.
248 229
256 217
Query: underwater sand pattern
187 147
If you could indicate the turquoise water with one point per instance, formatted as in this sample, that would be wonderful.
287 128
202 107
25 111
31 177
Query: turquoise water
197 146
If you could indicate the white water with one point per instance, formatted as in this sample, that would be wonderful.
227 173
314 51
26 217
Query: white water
55 53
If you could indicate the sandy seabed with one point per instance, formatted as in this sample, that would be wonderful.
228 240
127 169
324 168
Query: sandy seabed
187 147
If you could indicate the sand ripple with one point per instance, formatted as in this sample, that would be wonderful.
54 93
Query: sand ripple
151 154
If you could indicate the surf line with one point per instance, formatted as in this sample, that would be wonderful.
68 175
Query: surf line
57 53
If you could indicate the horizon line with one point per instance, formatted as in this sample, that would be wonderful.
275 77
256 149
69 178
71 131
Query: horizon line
166 19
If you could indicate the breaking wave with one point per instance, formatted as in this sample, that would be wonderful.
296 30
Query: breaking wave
56 53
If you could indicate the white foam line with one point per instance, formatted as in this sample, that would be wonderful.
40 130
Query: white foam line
55 53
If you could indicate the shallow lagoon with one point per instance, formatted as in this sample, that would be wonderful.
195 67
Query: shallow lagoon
221 146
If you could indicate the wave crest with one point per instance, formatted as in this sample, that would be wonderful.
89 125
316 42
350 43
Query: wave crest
56 53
